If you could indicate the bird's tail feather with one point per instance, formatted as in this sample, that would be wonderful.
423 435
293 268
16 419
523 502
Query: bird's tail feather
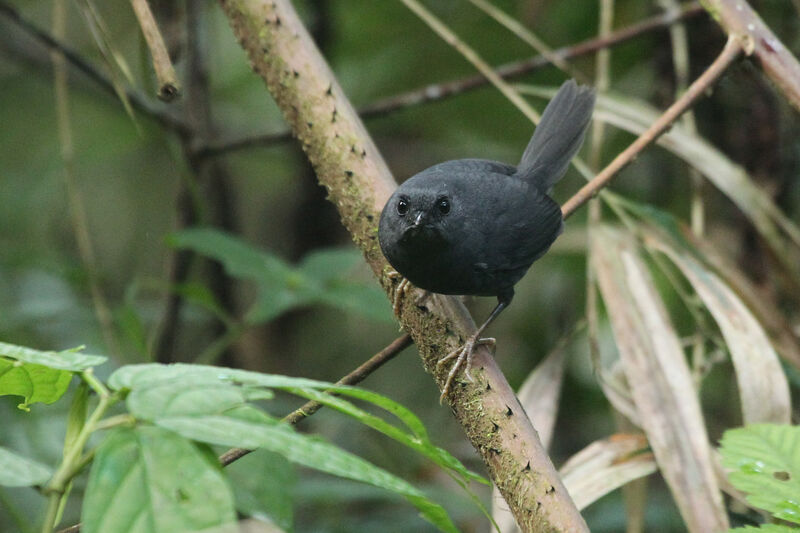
558 136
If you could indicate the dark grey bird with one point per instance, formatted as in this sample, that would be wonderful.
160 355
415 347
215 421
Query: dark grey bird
474 226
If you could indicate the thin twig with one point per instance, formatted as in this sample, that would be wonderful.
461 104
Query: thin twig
440 91
139 102
728 55
472 56
356 376
515 27
80 224
602 83
168 85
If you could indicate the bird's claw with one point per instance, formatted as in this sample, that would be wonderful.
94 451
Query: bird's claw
461 355
399 292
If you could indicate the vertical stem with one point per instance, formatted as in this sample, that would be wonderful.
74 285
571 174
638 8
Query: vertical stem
680 61
602 82
77 209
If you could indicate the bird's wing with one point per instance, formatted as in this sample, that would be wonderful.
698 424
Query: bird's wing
526 223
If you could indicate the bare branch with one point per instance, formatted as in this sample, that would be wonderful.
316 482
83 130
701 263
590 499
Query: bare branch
742 22
440 91
359 183
729 54
140 103
356 376
168 86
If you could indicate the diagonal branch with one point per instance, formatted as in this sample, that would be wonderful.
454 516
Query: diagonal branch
442 90
140 103
359 183
728 55
741 21
356 376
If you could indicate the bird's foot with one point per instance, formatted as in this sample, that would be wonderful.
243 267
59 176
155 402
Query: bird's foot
400 291
461 355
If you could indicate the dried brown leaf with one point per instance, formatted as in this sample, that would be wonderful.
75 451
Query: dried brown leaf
763 387
659 378
606 465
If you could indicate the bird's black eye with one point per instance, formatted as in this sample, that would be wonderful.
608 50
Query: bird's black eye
443 205
402 206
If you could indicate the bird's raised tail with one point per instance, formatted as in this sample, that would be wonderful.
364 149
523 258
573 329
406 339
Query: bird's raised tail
558 136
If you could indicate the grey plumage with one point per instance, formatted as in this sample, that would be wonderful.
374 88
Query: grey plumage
473 226
558 137
500 218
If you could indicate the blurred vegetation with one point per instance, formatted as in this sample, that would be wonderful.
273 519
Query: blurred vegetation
141 183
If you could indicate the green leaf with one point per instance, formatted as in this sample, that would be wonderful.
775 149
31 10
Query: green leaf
304 450
70 359
239 258
419 444
329 263
188 399
765 528
263 484
764 462
183 389
145 375
320 278
150 480
18 471
76 418
365 299
35 383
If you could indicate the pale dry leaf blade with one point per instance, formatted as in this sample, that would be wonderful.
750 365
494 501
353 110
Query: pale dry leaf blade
779 232
659 379
606 465
763 387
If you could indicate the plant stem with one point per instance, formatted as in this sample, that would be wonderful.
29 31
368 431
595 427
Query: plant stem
728 55
74 460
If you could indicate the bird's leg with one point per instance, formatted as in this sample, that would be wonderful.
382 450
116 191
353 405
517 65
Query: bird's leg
400 291
464 353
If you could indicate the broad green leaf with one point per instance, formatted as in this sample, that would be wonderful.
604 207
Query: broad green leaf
184 376
176 390
201 296
19 471
35 383
421 445
272 304
150 480
188 399
764 462
263 484
320 278
365 299
330 263
764 528
304 450
71 359
239 258
148 374
659 378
